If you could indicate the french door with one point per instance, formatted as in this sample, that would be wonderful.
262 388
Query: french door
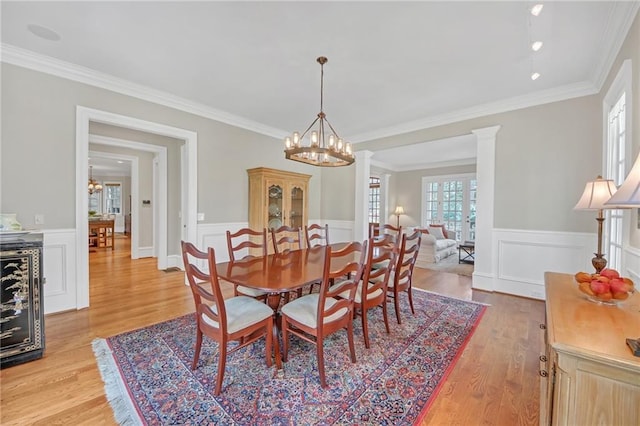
451 200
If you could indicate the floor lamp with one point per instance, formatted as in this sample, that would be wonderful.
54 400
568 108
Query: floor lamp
398 211
596 194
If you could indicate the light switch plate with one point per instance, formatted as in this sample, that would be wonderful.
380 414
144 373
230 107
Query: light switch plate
200 216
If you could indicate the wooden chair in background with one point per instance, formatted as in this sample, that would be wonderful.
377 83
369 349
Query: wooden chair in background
286 238
252 243
316 235
239 318
315 316
403 270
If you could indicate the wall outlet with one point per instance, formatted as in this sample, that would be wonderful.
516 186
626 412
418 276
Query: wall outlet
39 219
200 216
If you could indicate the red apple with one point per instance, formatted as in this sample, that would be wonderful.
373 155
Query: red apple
599 287
610 273
619 286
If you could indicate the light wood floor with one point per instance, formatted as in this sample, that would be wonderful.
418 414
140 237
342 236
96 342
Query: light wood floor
495 381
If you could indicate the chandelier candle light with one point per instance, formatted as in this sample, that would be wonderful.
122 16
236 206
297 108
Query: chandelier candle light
322 150
596 194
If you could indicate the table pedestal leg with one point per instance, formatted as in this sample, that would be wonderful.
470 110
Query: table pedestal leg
273 300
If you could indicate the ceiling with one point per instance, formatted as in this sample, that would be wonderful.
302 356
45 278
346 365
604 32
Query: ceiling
393 66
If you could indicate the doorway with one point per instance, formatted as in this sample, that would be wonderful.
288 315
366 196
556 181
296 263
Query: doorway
84 116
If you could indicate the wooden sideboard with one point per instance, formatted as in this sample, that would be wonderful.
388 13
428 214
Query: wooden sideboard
589 375
101 233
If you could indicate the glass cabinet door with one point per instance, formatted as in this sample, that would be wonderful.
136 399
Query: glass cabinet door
296 210
276 206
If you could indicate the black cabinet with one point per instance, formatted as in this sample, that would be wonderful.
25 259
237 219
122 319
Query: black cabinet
22 318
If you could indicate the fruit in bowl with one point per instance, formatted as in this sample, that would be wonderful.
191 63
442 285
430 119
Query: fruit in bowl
607 287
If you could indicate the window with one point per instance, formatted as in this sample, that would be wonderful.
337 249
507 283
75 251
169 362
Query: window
113 198
616 161
451 200
617 147
374 199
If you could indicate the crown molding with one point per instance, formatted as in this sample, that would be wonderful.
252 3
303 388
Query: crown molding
27 59
618 24
562 93
423 166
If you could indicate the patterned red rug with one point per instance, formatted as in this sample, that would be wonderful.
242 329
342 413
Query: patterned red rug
148 379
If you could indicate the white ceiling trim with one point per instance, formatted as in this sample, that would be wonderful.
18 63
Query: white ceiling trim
618 25
570 91
423 166
28 59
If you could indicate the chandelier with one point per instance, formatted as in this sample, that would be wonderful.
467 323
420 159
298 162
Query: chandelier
94 186
322 150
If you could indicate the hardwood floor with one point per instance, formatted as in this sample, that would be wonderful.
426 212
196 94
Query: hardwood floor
495 381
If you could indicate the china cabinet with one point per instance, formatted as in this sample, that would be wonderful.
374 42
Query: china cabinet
277 198
22 321
589 375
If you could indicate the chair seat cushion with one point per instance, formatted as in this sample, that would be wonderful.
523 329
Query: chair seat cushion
248 291
305 310
358 297
242 311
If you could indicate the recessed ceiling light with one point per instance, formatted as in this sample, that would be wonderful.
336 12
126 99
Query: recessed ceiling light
43 32
120 161
535 76
536 45
535 10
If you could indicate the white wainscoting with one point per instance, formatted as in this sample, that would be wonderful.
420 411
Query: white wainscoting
521 258
59 271
518 263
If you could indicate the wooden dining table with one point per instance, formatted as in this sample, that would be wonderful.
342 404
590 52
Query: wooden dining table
277 275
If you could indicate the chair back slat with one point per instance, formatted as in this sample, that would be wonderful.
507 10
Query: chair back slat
316 235
409 248
248 239
381 257
286 238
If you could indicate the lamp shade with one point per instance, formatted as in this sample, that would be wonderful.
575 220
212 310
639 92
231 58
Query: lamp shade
628 194
596 194
398 211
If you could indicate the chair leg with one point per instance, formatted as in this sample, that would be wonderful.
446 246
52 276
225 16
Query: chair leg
396 302
385 316
411 300
352 347
285 339
196 355
221 366
365 326
320 355
269 338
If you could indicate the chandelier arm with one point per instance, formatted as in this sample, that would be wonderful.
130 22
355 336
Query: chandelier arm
309 128
331 127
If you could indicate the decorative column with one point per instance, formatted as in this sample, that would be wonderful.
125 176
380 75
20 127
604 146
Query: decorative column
361 211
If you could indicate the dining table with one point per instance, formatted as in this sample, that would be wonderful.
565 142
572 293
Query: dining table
278 274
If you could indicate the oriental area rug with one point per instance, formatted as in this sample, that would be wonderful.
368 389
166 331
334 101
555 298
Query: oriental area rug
148 377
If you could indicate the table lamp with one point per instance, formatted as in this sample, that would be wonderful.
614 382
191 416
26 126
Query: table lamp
596 194
398 211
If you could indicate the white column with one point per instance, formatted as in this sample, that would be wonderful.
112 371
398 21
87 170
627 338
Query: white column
485 258
361 220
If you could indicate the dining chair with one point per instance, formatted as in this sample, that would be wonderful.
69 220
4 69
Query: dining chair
316 235
238 318
372 289
251 243
286 238
402 275
315 316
